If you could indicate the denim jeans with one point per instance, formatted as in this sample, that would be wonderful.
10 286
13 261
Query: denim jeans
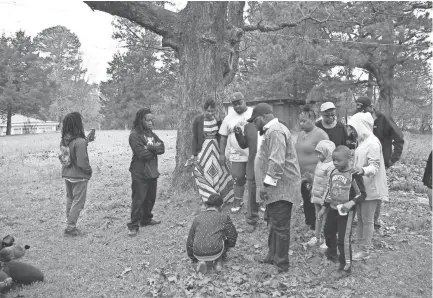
365 225
252 215
75 199
239 172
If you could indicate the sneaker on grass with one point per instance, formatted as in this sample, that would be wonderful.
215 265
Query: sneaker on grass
72 232
132 233
237 206
313 241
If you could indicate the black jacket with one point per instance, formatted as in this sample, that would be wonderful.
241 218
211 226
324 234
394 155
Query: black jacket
389 135
144 163
337 134
427 179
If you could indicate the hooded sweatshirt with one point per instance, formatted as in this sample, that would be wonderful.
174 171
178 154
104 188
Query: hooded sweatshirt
369 157
322 172
80 167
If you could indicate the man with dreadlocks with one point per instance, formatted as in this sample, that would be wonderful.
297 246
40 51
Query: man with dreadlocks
146 146
76 171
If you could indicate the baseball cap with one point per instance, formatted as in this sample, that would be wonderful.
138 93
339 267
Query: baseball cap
237 96
326 106
365 101
259 110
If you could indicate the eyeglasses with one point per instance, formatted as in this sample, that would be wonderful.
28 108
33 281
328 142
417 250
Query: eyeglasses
329 115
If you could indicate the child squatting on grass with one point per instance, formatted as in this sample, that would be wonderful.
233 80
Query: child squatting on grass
323 170
76 169
345 190
211 235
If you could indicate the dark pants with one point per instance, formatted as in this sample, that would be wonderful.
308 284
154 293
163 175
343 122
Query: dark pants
278 215
309 209
252 216
143 200
338 233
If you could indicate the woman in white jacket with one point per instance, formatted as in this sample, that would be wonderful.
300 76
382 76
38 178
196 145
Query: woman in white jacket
370 164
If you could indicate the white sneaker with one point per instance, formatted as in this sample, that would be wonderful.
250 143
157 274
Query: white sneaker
237 206
323 246
359 256
312 242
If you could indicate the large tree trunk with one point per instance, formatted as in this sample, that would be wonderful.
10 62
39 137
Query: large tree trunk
9 122
200 76
385 92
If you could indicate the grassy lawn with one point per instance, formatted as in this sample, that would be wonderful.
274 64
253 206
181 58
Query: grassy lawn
105 262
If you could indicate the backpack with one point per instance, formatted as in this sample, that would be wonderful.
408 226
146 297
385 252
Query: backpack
65 156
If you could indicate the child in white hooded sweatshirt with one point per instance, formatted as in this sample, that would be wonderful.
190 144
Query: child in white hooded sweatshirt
368 163
324 168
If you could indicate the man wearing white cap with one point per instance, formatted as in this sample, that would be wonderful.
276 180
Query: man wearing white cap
336 130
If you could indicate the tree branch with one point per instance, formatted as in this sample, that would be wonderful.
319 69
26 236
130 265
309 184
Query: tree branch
154 18
235 18
269 28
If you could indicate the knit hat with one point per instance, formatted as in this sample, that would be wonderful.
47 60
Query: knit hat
214 200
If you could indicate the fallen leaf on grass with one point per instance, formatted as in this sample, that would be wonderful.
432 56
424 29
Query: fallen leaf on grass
127 269
144 264
172 278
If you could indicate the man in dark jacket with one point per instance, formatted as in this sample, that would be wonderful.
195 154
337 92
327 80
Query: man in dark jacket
145 146
389 135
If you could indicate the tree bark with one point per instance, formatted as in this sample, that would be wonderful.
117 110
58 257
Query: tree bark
385 92
370 89
9 122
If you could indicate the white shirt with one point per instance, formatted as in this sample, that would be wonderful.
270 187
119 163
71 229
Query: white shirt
237 154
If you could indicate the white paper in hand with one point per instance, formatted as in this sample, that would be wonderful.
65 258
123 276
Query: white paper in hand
339 210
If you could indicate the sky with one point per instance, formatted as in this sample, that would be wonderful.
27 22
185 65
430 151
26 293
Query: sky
93 28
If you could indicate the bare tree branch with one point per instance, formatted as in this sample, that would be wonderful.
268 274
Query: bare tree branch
154 18
235 18
269 28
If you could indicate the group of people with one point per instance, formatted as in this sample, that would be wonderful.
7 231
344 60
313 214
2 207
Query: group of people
334 183
252 147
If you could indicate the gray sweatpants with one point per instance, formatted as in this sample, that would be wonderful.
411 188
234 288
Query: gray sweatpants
75 199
